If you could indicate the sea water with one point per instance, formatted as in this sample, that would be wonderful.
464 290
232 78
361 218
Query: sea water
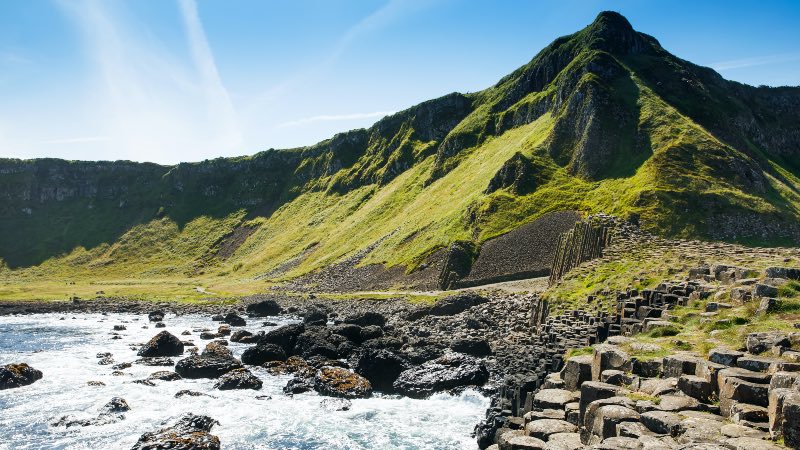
64 348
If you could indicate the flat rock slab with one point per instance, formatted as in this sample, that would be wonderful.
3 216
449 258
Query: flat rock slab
553 398
543 428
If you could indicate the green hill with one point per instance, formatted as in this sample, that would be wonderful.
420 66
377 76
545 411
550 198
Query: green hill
603 120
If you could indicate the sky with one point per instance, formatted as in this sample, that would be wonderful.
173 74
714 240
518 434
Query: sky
186 80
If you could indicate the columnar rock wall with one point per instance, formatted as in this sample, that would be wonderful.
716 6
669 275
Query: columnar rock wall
584 242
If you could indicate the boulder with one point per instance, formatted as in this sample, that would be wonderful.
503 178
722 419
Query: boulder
164 375
315 316
790 273
206 366
240 335
298 385
564 441
381 367
456 304
339 382
370 332
285 337
471 346
116 405
234 320
696 387
190 432
156 316
155 361
577 370
761 290
262 353
367 318
446 372
733 389
162 344
238 379
18 375
350 331
264 308
791 420
218 349
760 342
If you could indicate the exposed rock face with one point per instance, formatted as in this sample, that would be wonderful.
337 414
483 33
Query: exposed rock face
339 382
162 344
18 375
190 432
447 372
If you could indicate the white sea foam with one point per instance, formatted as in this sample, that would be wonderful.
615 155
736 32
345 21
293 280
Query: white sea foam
65 350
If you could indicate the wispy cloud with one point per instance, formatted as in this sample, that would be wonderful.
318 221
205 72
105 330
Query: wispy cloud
149 102
334 118
756 61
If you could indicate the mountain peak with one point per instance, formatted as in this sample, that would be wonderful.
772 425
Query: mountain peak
612 32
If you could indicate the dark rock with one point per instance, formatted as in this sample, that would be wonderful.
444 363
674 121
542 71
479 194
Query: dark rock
240 335
350 331
455 304
595 390
119 328
789 273
206 335
157 361
761 342
339 382
238 379
217 349
190 432
160 325
366 318
371 332
162 344
185 392
121 366
471 346
116 405
156 316
577 370
285 336
609 357
18 375
261 353
315 316
264 308
446 372
381 367
298 386
724 356
206 366
234 320
164 375
224 330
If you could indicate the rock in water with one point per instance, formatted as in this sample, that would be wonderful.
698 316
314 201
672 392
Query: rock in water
336 404
380 367
238 379
261 353
18 375
190 432
156 316
162 344
446 372
339 382
264 308
235 320
218 349
206 366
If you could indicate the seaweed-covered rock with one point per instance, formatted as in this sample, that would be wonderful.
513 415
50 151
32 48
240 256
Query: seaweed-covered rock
18 375
190 432
339 382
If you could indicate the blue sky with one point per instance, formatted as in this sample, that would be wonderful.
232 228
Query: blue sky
185 80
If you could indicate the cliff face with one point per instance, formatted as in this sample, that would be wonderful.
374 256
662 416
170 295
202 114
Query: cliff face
628 129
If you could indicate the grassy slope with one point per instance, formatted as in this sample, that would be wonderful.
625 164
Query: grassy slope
438 199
